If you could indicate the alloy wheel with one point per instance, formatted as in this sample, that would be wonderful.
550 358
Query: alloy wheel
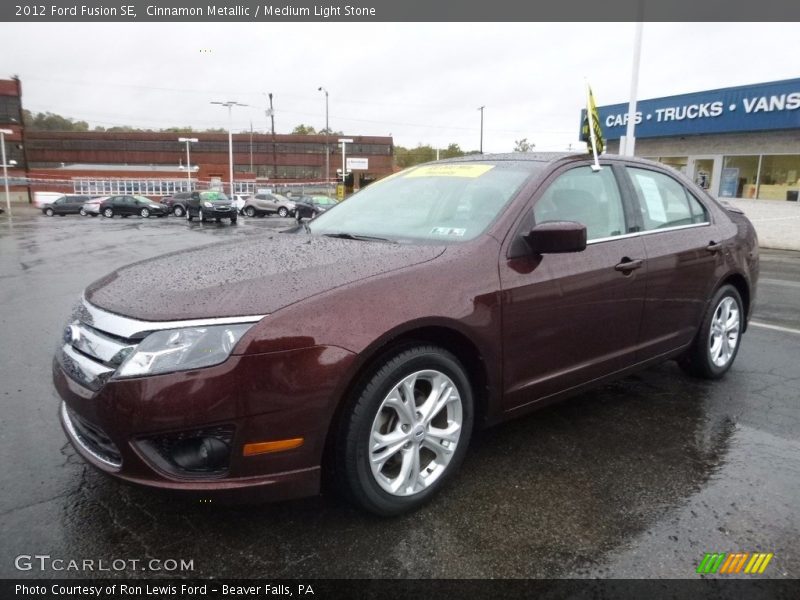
415 432
725 328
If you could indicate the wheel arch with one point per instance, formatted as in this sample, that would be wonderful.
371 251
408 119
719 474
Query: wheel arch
738 281
445 336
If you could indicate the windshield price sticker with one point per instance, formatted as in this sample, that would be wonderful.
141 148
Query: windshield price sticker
448 231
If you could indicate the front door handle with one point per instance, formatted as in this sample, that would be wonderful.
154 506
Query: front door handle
714 247
627 265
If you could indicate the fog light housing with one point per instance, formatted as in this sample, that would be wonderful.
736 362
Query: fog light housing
200 452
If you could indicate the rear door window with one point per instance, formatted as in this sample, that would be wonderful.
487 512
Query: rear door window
664 201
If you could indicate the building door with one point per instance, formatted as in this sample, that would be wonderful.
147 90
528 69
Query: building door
704 173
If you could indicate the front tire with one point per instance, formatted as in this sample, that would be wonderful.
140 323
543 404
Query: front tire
49 212
144 213
178 211
282 212
108 213
717 342
407 431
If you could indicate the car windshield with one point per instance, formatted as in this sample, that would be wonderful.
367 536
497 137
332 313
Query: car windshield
213 196
450 202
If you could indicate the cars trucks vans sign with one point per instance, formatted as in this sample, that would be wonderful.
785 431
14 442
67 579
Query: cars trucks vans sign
766 106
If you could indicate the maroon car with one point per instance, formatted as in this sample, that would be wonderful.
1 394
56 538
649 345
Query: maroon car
367 344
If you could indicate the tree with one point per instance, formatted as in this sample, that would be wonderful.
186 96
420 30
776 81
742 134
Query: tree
304 130
523 145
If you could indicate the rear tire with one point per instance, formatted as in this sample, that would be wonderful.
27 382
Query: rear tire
83 213
717 341
249 212
402 441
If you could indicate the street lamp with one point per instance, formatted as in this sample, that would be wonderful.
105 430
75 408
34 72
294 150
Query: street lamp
480 108
327 133
230 104
188 161
3 133
344 142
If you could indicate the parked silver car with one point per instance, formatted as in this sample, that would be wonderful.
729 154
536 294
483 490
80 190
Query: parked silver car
92 207
263 204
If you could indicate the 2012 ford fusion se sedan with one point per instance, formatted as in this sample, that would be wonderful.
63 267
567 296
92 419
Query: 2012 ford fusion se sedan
366 345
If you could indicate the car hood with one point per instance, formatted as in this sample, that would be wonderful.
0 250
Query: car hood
254 277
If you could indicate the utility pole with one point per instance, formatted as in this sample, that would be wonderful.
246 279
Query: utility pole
3 134
327 133
188 141
480 108
271 113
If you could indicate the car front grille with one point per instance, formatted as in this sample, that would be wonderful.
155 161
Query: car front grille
91 438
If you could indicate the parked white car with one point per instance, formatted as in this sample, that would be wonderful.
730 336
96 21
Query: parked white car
92 207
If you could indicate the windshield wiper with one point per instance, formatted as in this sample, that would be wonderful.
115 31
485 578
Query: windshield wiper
351 236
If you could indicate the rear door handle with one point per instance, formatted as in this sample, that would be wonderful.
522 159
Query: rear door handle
714 247
627 265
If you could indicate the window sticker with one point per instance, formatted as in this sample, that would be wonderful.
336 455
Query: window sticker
455 170
652 198
454 231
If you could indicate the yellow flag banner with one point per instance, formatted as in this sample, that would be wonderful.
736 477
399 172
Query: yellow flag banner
591 123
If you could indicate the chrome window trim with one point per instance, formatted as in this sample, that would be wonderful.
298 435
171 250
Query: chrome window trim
79 439
648 232
129 328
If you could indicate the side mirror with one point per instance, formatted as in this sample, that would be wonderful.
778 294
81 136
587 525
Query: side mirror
553 237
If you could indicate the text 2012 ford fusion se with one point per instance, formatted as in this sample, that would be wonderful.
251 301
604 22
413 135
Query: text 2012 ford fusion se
367 344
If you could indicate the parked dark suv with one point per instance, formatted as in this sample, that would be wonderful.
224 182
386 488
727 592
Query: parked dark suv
69 204
369 341
210 205
177 203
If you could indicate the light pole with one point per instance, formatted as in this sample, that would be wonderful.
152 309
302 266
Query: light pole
480 108
327 133
230 104
188 160
344 142
3 133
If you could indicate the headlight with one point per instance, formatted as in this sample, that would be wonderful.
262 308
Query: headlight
208 205
182 349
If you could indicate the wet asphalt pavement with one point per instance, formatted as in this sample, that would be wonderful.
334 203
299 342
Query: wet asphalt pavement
636 479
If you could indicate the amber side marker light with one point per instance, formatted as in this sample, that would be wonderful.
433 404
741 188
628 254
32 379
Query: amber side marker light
276 446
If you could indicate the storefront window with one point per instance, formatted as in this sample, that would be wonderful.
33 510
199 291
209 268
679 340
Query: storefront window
779 175
738 178
676 162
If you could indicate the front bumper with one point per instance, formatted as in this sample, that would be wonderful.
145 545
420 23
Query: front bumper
262 397
216 213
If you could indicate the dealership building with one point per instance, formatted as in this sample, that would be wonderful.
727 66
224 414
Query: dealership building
737 142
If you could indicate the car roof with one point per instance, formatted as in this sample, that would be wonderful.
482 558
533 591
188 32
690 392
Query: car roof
544 157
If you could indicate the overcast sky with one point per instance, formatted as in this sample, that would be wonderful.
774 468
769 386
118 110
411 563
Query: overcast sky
421 83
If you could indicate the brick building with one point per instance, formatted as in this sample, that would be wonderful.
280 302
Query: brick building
154 163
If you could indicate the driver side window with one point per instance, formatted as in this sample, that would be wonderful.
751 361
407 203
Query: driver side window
588 197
